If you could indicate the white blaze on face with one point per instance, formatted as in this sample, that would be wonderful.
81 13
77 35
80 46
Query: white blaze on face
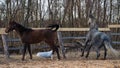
89 21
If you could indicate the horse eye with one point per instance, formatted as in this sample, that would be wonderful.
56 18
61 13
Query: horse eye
14 25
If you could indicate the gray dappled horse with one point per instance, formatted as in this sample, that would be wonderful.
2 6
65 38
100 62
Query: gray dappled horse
97 39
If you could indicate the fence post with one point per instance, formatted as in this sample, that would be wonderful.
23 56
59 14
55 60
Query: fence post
61 43
5 45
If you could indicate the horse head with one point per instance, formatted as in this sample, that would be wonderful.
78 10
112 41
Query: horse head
92 22
11 26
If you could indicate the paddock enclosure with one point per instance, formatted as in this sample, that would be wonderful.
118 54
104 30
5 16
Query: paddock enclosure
72 16
67 40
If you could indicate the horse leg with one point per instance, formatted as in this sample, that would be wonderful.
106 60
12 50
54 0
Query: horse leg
98 50
29 50
88 51
57 51
84 49
24 51
98 53
55 48
105 52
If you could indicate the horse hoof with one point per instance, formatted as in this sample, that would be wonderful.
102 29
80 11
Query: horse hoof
59 58
96 58
104 58
22 59
82 55
65 57
30 57
86 56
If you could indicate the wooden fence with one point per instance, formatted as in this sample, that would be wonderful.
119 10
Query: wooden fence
59 34
116 32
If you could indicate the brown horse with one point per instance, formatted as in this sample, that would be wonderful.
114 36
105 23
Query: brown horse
29 36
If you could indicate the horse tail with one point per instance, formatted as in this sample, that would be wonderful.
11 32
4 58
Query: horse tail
80 45
110 48
55 26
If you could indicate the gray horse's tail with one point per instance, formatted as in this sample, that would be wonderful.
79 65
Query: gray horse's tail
111 49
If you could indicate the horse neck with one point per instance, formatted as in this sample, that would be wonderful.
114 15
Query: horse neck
21 29
93 26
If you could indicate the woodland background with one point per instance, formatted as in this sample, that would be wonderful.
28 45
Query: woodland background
67 13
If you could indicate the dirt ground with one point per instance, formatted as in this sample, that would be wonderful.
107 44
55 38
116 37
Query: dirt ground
73 61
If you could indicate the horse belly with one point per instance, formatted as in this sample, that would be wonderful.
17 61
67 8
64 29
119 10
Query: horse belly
32 39
97 41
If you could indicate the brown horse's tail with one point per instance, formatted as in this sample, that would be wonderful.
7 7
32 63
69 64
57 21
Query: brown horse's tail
54 27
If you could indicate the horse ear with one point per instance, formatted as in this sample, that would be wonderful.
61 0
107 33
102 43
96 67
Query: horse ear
91 16
12 21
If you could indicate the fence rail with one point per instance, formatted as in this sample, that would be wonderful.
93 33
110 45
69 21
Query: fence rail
2 30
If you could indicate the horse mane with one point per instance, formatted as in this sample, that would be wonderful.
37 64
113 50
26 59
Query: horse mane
21 28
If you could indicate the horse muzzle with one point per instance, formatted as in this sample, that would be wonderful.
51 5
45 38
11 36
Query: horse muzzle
8 30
